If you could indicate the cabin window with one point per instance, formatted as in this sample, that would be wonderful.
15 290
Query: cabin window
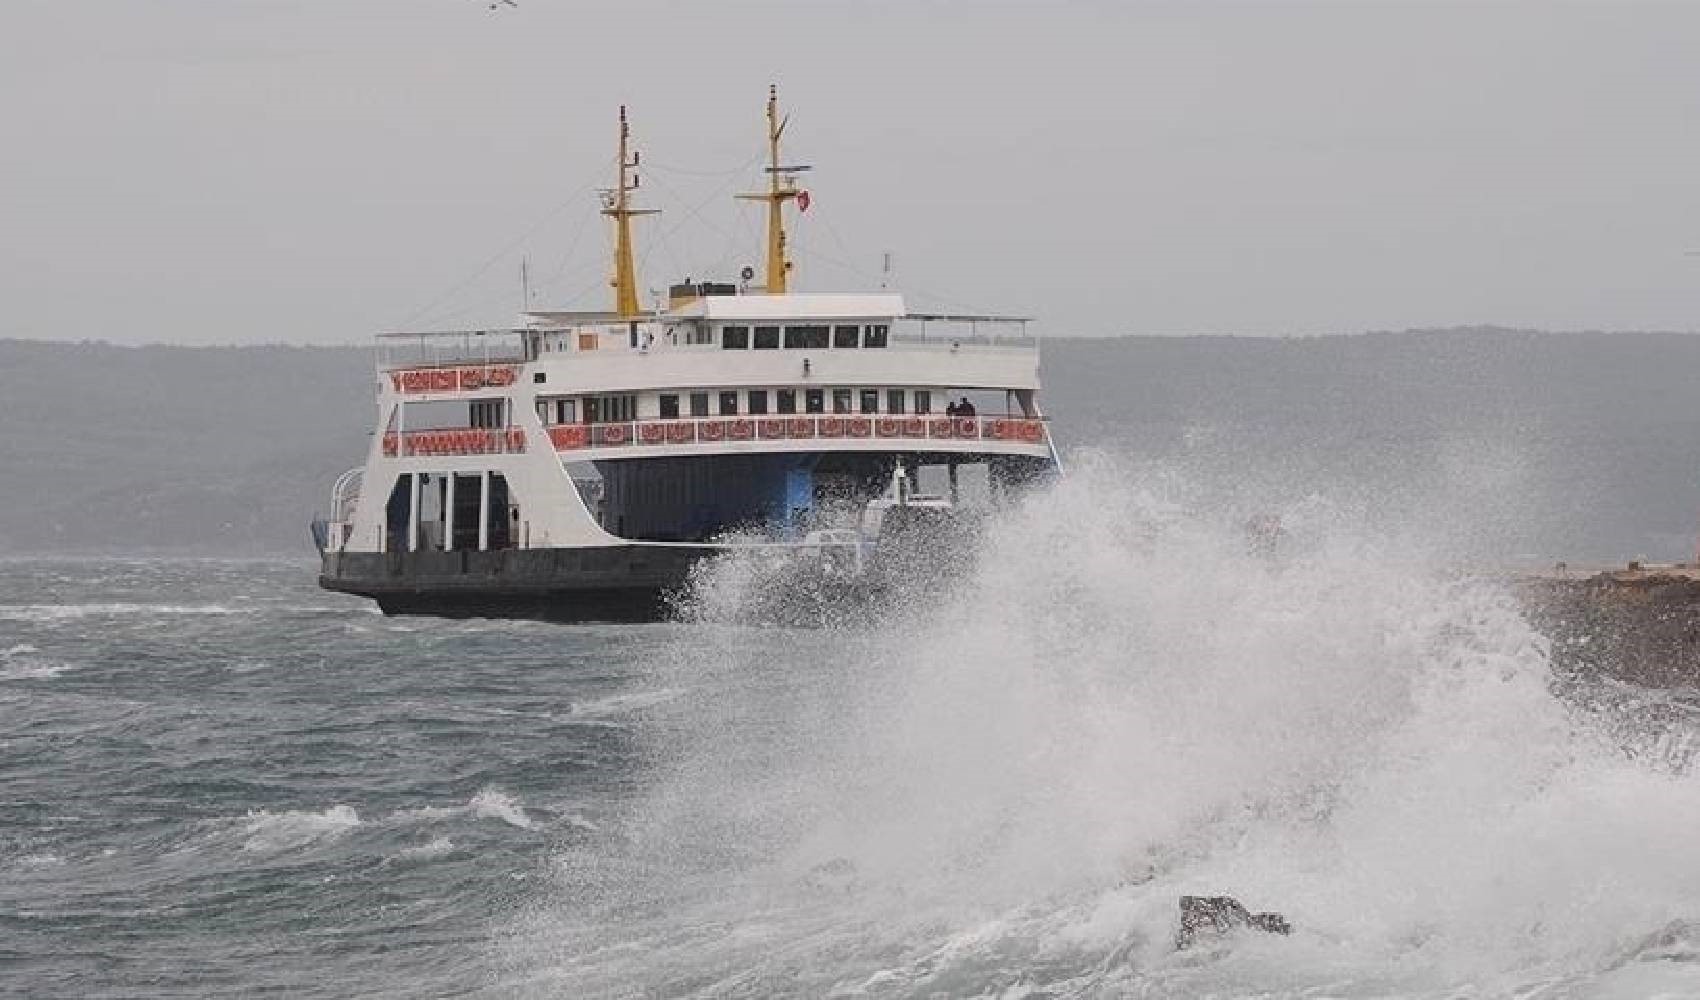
485 413
538 378
758 401
870 400
669 406
543 409
699 333
841 400
728 404
610 409
814 400
735 338
923 401
785 401
875 336
844 336
894 401
699 404
806 337
767 338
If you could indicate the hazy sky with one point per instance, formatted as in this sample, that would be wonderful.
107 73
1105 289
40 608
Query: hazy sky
313 171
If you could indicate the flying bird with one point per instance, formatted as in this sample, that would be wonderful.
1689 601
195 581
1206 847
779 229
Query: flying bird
497 4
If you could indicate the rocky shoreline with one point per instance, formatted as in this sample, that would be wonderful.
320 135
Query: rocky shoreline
1639 624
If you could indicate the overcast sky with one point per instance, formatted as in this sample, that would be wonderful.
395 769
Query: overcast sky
215 171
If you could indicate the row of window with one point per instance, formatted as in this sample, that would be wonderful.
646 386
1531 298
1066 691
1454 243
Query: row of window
756 402
806 337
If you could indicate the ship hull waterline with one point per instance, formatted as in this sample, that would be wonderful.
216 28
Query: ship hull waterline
627 583
624 583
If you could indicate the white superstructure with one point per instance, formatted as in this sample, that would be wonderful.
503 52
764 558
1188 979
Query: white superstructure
737 406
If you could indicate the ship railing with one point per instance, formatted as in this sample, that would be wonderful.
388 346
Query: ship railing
332 533
954 331
828 427
441 348
455 441
943 342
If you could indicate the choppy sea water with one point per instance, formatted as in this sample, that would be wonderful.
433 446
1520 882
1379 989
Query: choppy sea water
216 780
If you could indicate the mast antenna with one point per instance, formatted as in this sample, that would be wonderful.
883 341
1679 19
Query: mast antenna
616 204
781 188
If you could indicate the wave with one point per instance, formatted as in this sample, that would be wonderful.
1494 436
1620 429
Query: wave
1007 782
58 612
491 803
22 663
271 832
622 704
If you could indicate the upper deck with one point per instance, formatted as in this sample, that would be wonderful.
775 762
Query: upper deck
730 341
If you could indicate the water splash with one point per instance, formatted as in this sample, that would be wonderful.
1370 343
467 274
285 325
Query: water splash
1005 784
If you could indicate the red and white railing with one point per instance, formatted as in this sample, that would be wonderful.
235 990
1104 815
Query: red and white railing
456 441
453 379
715 430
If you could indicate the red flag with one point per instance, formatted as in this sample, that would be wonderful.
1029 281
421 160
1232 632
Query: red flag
802 201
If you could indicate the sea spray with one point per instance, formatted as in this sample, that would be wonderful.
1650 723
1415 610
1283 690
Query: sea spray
1007 782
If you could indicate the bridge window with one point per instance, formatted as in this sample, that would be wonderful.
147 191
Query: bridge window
814 401
699 404
758 401
875 336
806 337
728 404
870 400
844 336
786 400
767 338
894 401
735 338
923 401
841 400
669 406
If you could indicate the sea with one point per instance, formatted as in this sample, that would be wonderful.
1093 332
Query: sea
217 780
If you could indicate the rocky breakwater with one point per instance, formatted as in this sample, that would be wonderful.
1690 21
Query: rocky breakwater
1639 623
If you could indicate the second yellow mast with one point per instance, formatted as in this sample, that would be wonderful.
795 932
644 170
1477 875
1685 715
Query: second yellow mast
781 188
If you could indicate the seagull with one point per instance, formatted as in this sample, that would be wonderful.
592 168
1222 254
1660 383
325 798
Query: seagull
497 4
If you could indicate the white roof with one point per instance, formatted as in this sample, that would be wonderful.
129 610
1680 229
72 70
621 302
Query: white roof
794 305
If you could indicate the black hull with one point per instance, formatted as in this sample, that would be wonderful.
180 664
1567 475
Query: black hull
624 583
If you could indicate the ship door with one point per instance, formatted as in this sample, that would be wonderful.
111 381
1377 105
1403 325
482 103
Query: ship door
500 517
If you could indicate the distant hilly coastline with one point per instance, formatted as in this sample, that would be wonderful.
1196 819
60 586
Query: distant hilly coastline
1582 446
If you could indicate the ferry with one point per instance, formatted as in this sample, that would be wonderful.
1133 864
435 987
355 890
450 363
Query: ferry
578 465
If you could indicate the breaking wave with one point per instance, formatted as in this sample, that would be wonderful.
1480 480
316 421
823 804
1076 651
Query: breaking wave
269 831
58 612
1002 787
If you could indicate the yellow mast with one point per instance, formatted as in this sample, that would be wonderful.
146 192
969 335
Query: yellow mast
617 205
781 188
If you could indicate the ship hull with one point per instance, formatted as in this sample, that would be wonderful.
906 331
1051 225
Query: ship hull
626 583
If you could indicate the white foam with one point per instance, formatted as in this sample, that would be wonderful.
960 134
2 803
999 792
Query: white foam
268 831
435 848
58 612
1117 704
31 670
623 704
491 803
